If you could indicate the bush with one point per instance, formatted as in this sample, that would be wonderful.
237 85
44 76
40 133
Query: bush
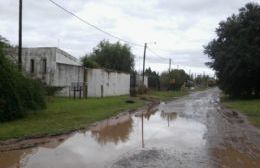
52 90
87 62
18 93
142 89
173 80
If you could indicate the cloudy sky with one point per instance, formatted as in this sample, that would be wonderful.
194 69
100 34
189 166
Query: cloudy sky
179 27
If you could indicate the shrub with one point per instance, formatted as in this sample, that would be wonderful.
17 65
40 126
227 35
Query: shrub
18 93
52 90
142 89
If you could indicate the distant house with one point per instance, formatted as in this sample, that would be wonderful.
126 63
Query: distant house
57 68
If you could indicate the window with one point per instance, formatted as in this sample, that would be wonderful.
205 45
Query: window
32 66
44 66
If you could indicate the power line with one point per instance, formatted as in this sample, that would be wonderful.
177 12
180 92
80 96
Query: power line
156 53
92 25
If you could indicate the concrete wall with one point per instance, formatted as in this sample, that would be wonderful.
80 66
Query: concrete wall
65 58
38 55
64 69
113 83
65 75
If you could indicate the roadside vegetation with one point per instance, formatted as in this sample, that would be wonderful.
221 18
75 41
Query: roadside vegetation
18 93
235 53
64 114
251 108
114 56
166 95
235 58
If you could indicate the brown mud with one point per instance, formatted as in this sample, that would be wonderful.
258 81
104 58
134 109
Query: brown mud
192 131
240 141
41 140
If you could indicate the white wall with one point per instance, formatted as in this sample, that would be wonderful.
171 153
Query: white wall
38 55
114 83
67 74
63 69
65 58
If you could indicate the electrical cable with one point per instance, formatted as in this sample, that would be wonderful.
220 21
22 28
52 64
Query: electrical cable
94 26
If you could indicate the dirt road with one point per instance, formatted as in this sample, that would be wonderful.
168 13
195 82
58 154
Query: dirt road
193 131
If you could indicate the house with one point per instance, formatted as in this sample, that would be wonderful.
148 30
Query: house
57 68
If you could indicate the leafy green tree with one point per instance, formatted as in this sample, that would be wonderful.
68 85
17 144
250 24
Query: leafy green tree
88 62
235 53
153 79
174 79
112 56
18 94
201 80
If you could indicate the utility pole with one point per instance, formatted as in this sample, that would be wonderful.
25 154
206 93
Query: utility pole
20 35
170 63
145 46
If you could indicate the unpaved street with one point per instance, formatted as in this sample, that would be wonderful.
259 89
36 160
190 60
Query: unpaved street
193 131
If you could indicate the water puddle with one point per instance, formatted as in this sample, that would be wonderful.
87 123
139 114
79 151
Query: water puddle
168 133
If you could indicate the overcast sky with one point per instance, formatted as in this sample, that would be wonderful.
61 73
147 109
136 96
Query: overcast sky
179 27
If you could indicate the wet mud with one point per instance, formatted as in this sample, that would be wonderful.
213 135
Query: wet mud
192 131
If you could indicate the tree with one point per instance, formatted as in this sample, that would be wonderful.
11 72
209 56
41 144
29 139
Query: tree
18 93
88 62
153 79
235 53
174 79
112 56
201 80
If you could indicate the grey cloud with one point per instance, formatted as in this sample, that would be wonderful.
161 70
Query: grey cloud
44 24
209 7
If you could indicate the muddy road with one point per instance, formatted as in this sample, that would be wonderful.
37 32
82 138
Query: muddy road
193 131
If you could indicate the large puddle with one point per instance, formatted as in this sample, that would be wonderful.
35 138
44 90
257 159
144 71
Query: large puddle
169 135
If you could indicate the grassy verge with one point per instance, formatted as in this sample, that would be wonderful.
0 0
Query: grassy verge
163 95
64 114
250 108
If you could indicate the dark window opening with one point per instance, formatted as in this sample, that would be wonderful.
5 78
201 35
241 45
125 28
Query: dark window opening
44 64
32 66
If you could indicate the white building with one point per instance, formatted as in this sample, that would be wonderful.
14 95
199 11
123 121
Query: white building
57 68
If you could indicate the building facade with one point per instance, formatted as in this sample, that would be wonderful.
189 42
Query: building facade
57 68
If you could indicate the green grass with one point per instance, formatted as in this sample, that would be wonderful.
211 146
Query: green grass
63 114
166 95
251 108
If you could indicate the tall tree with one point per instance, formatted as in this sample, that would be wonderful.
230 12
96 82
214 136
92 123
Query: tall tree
112 56
235 53
153 78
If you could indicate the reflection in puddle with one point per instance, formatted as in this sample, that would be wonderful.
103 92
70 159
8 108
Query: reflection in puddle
113 130
106 142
